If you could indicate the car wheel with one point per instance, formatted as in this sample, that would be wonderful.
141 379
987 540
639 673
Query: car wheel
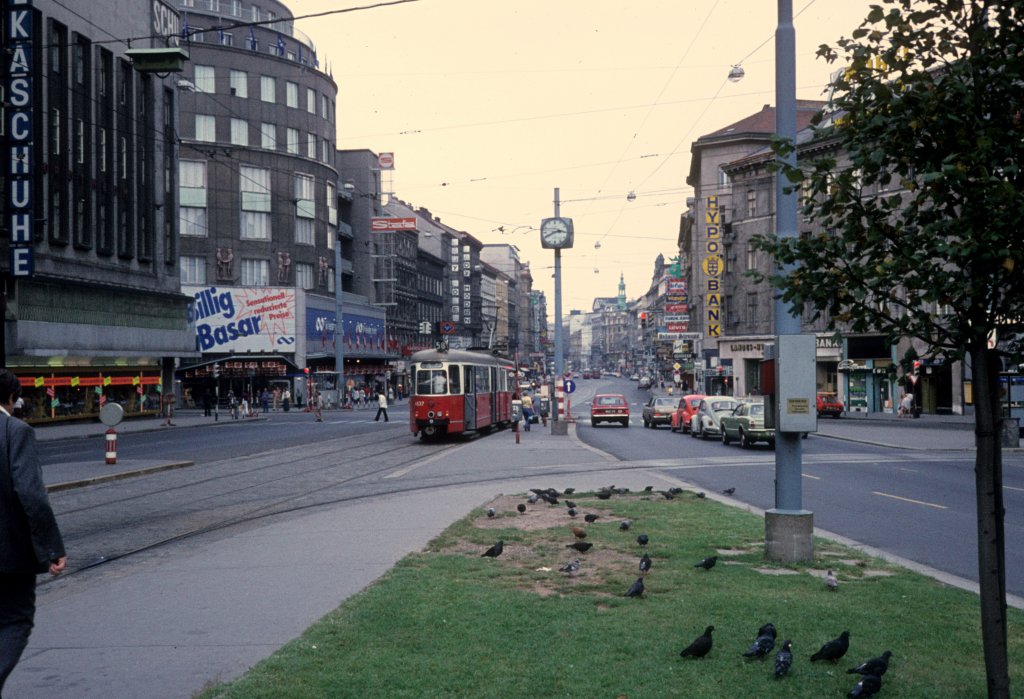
593 423
672 427
703 434
744 440
725 437
625 423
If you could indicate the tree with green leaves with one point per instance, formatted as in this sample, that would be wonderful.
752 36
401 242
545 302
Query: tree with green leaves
918 208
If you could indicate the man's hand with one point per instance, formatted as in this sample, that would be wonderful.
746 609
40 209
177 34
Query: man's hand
57 567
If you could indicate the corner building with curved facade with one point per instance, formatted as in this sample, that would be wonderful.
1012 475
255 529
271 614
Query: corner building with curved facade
258 191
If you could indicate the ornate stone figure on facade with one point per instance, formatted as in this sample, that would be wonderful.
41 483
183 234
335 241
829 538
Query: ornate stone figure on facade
225 261
284 266
323 270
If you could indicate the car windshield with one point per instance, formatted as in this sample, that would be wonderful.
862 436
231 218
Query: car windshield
663 402
828 397
610 400
756 410
720 405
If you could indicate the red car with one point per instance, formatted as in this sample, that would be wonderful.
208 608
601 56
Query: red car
684 411
828 404
609 407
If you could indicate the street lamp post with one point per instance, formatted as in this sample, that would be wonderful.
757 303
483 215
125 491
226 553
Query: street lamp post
339 326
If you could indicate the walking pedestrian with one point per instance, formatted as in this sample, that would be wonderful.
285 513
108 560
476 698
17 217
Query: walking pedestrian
232 404
277 398
168 400
286 400
265 401
527 411
382 406
207 403
30 541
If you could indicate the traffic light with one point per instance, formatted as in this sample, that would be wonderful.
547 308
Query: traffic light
306 371
917 367
643 319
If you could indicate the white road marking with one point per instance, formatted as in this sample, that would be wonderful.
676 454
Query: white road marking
916 502
807 475
1010 487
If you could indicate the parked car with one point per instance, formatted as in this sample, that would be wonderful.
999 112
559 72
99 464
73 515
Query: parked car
746 425
658 411
828 404
684 412
705 423
634 377
609 407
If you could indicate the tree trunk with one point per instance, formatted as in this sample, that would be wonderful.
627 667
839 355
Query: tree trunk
988 478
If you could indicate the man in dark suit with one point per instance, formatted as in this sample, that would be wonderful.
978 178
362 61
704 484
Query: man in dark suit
30 541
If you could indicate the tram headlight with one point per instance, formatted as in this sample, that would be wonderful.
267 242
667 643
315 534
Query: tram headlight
430 414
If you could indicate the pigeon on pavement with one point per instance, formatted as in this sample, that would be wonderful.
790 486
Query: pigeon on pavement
643 539
491 512
533 499
591 518
707 563
494 551
645 563
625 524
868 686
729 491
579 532
581 546
834 649
636 589
831 581
764 642
876 666
572 567
783 659
700 647
521 507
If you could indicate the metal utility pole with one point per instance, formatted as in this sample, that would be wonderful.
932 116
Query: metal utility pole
789 528
559 359
339 326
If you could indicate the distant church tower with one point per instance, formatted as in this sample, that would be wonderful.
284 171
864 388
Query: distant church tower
622 292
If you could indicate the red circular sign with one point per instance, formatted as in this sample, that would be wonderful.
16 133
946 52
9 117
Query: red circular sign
386 161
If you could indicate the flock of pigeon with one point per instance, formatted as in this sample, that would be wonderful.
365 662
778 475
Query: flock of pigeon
870 671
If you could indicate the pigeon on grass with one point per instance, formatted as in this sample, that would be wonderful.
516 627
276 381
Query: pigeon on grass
581 546
643 539
764 642
636 589
869 686
591 518
876 666
645 563
494 551
700 647
831 581
834 649
784 659
707 563
572 567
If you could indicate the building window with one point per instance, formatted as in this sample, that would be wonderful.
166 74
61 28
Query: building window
214 5
304 276
323 106
310 101
239 132
205 79
255 272
254 184
291 93
304 234
192 221
751 258
193 270
268 136
268 89
752 308
206 128
327 150
255 13
227 39
292 143
751 204
723 178
235 7
311 147
240 83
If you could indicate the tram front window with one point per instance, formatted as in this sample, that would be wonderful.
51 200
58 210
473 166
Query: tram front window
432 382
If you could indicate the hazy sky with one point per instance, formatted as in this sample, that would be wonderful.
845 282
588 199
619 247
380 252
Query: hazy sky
488 106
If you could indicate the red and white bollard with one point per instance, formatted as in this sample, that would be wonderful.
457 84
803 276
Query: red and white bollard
111 446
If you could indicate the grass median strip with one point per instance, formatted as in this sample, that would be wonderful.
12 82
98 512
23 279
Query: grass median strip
447 622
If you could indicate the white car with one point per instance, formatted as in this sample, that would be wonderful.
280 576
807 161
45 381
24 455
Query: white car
706 422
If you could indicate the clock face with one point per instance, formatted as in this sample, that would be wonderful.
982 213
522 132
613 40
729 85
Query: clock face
556 233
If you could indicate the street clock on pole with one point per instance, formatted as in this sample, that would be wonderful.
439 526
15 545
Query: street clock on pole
556 233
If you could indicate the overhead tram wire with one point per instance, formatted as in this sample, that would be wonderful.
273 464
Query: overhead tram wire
647 115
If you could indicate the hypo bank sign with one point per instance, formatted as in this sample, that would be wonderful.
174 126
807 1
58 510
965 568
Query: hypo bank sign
243 319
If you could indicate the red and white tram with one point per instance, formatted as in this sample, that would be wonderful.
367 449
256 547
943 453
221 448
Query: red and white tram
459 392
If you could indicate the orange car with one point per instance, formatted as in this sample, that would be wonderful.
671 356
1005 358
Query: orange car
684 411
